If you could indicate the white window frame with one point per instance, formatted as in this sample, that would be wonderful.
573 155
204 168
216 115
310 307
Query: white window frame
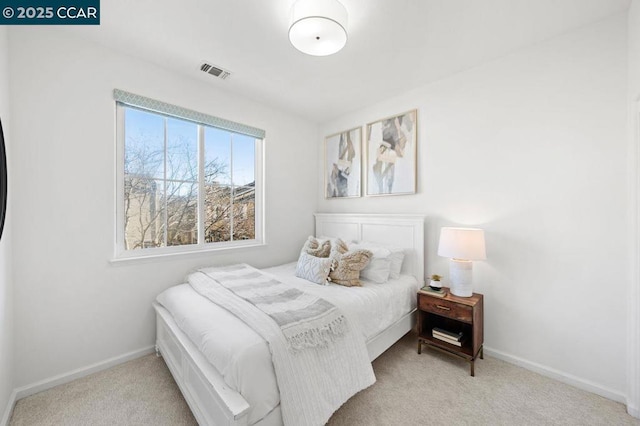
121 253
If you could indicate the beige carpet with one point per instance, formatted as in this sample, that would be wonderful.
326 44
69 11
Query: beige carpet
436 389
412 389
139 392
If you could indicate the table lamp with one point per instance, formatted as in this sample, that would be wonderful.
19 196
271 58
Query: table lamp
461 246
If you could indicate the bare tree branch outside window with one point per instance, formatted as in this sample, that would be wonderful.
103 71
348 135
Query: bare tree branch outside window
161 193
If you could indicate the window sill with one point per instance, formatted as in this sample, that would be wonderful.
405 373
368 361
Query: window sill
144 258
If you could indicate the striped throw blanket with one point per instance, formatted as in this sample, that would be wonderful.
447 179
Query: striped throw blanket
320 360
306 321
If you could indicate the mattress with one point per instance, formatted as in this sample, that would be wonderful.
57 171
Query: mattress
242 357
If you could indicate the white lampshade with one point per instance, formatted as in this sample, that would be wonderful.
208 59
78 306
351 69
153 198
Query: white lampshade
461 246
462 243
318 27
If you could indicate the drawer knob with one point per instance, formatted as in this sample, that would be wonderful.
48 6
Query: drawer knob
446 308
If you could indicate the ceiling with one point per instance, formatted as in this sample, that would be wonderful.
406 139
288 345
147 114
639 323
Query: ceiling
393 45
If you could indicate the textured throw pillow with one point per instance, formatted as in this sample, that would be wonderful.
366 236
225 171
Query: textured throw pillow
347 266
317 248
314 269
338 247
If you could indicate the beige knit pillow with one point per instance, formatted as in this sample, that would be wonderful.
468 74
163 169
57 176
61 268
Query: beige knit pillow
347 266
313 247
338 247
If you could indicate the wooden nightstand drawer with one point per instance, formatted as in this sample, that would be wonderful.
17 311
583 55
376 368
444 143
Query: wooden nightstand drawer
446 308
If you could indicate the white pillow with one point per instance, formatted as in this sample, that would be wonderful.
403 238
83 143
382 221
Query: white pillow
379 267
395 256
314 269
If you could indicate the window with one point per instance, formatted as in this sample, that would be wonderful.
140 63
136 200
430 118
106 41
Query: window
184 184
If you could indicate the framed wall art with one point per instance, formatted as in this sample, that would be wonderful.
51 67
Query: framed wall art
342 164
391 155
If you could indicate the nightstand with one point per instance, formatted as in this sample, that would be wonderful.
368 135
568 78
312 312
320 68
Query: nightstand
454 314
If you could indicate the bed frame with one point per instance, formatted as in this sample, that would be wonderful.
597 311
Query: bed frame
211 400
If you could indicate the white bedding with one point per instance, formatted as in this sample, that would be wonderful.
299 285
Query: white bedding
242 356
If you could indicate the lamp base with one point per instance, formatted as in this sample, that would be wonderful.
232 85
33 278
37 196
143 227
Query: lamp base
460 275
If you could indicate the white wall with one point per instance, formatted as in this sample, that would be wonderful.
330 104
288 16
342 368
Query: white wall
633 353
532 148
6 283
72 307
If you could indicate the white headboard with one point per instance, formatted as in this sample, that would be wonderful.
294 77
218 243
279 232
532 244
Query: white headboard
398 230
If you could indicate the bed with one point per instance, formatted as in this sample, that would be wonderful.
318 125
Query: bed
236 386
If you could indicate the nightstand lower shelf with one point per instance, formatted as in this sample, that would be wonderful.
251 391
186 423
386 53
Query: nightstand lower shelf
463 352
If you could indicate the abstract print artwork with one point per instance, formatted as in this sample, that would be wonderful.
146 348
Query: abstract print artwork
342 156
391 155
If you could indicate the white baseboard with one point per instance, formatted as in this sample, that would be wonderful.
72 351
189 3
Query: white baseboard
633 411
559 375
60 379
9 409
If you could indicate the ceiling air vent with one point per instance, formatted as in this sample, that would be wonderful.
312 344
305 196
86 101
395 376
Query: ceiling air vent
214 71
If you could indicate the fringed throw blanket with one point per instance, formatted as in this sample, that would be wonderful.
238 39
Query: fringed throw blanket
319 360
306 321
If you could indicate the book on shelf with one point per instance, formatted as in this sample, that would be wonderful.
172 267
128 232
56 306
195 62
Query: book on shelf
445 337
447 340
432 292
447 333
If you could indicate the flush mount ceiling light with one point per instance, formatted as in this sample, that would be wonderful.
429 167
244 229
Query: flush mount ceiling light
318 27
